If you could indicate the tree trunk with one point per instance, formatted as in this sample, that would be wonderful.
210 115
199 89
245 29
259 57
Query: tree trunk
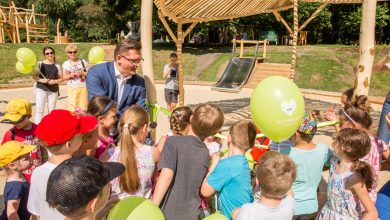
367 48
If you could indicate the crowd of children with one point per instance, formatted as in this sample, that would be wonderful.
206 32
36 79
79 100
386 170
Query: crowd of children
68 166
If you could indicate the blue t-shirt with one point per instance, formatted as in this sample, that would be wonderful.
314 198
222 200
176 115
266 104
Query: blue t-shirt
231 178
15 190
309 170
383 202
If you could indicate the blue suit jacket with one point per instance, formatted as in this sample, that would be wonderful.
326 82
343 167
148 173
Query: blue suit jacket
101 80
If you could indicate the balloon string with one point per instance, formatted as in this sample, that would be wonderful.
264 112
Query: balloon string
278 147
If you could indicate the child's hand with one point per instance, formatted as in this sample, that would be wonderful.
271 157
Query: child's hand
111 202
330 115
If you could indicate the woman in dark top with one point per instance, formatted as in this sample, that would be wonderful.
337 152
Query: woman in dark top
48 75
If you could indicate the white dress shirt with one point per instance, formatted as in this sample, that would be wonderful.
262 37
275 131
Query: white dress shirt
121 81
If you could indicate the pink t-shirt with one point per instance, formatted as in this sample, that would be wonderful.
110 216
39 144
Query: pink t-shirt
103 144
374 158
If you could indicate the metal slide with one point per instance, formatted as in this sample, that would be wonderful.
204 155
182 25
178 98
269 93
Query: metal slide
235 75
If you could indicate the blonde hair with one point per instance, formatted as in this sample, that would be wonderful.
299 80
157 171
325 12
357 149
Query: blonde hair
243 134
276 173
70 47
132 120
207 120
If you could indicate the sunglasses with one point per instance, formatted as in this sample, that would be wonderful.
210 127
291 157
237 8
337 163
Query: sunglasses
49 53
72 52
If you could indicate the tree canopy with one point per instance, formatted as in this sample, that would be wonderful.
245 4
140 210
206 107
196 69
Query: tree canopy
97 20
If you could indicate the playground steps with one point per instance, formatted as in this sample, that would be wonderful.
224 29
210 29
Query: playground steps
264 70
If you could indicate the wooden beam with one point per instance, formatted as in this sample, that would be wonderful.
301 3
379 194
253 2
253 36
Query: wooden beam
367 48
314 15
189 29
295 40
179 44
280 19
165 12
166 25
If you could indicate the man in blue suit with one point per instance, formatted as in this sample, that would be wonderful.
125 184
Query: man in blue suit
118 79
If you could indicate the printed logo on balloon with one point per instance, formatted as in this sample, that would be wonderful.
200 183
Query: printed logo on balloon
277 107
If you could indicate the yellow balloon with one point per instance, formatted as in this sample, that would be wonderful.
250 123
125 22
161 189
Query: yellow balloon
96 55
26 56
23 69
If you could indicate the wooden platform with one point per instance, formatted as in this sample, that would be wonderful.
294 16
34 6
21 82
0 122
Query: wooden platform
264 70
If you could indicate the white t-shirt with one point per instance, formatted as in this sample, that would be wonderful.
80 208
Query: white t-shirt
37 204
258 211
70 68
171 80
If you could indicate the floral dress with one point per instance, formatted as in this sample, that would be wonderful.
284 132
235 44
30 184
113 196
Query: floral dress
342 204
146 167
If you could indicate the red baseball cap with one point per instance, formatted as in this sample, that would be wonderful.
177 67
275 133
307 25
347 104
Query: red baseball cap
61 125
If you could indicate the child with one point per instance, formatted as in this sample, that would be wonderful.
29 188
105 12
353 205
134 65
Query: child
349 178
79 187
171 90
60 132
309 158
357 115
139 159
275 175
231 176
183 165
330 115
18 113
104 109
179 124
15 158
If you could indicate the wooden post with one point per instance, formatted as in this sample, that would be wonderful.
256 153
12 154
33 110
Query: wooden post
17 30
180 61
241 48
295 39
265 48
367 48
146 42
27 31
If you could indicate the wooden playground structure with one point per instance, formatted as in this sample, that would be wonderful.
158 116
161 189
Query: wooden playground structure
13 20
187 13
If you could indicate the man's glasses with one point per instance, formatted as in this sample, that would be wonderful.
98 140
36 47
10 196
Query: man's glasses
72 52
49 53
134 62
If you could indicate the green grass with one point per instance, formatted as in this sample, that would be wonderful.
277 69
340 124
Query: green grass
322 67
8 57
211 72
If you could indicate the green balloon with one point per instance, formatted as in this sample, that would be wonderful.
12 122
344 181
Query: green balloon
23 69
135 208
26 56
216 216
96 55
277 107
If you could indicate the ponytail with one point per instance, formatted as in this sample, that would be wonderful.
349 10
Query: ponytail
129 182
365 171
130 123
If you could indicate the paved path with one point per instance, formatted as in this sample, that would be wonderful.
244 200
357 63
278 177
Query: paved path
235 106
